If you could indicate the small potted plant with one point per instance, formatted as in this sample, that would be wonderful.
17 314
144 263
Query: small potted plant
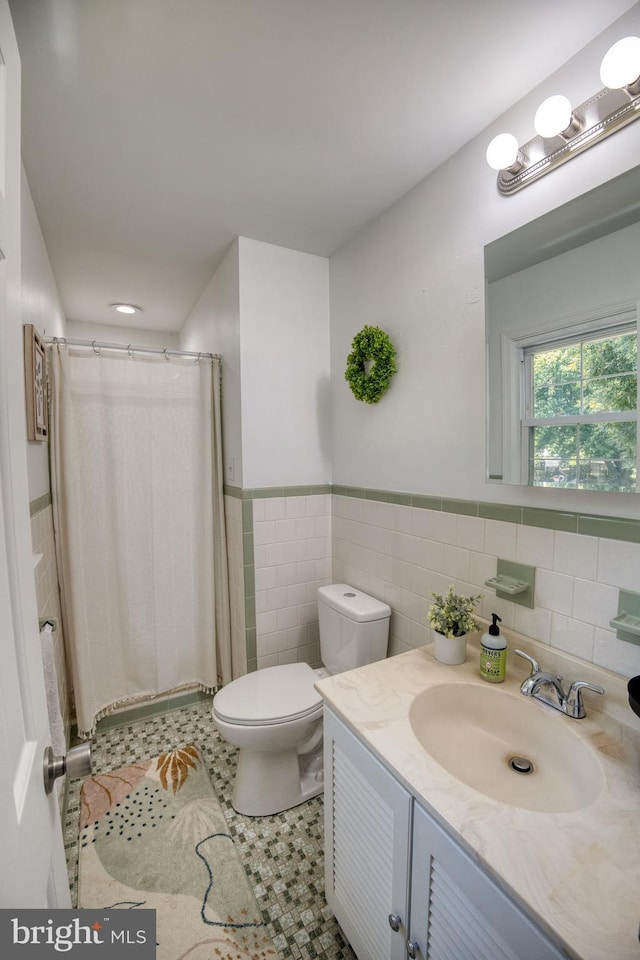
452 618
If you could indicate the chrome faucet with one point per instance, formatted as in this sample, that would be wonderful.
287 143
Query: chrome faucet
548 689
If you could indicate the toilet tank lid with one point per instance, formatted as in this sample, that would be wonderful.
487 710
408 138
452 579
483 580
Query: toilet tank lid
353 603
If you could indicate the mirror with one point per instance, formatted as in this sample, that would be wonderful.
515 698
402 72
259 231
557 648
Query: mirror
562 296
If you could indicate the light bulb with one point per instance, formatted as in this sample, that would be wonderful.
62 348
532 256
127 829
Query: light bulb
502 152
126 307
553 116
620 65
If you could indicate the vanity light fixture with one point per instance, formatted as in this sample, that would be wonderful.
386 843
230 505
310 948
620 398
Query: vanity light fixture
563 131
126 307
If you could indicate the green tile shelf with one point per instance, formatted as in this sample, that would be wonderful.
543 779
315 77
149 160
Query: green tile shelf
507 585
515 582
627 622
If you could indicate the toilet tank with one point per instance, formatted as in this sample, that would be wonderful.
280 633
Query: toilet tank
354 628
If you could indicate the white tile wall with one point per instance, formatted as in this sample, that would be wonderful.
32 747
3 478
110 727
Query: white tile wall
233 519
292 555
577 577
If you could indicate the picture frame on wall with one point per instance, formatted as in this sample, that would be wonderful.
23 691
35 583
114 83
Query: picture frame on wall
35 384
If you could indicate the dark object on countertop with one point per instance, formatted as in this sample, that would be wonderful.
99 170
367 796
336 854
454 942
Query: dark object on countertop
634 694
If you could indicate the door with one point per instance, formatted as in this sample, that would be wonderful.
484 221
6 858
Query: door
367 826
458 912
32 865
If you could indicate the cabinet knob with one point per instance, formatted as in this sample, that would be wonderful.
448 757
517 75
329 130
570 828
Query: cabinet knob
412 948
394 921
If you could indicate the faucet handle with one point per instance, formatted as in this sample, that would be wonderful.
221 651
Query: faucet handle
574 704
535 666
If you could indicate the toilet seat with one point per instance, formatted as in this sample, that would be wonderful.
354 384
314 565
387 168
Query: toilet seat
272 695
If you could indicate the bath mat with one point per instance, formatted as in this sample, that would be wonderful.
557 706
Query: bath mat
154 836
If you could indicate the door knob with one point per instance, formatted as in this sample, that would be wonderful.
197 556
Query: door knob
77 762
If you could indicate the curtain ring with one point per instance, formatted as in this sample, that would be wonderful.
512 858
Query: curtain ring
166 355
130 352
198 358
96 350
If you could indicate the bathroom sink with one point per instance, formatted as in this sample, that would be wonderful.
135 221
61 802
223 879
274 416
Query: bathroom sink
506 746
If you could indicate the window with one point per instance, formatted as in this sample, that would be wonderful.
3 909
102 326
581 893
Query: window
580 410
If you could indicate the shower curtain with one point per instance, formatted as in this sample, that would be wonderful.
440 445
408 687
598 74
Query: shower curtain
139 521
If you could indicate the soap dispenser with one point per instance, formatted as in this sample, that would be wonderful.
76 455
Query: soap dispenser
493 653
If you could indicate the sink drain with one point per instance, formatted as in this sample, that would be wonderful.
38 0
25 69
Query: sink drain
521 765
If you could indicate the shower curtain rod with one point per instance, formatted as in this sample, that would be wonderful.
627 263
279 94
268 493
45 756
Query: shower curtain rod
131 348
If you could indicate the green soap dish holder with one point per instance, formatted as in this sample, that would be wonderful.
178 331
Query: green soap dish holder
507 585
626 623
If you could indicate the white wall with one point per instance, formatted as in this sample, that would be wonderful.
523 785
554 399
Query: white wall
284 323
418 273
40 306
214 326
109 333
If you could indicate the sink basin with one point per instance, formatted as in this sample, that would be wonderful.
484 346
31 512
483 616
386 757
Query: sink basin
507 746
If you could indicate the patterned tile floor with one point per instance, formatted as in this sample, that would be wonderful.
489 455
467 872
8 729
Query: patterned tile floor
282 854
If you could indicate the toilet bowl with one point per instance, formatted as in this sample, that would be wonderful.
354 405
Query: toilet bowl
274 715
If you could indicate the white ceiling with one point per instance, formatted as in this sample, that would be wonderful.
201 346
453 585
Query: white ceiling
156 131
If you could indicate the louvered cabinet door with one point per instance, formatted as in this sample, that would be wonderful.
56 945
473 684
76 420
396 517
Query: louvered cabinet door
367 824
458 912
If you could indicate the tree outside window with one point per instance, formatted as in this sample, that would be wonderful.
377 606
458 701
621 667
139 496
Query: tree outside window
580 415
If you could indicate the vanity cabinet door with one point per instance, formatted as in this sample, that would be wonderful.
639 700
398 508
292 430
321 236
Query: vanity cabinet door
458 912
367 825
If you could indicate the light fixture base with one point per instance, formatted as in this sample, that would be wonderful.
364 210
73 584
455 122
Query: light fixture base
599 117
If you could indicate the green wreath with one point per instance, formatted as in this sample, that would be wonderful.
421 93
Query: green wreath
371 343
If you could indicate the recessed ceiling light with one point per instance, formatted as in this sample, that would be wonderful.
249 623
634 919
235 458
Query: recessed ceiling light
126 307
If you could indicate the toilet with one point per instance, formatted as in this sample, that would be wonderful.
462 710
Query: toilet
275 715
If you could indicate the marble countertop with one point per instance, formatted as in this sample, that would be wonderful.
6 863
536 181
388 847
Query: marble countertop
577 874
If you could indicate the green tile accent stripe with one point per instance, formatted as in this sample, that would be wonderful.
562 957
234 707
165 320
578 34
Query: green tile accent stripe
268 493
150 710
41 503
249 571
466 507
500 511
551 519
612 528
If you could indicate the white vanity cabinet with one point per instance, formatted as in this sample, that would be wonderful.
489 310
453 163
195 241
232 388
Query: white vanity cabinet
367 835
397 882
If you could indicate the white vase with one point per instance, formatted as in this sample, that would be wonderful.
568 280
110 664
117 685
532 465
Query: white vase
451 650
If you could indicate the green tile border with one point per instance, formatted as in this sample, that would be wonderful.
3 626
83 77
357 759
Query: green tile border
592 525
249 575
611 528
39 504
149 710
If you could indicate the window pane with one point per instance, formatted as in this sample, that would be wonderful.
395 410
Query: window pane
608 441
554 456
618 475
560 400
611 393
598 456
609 356
556 366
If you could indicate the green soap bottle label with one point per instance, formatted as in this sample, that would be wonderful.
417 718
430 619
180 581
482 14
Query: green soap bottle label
493 664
